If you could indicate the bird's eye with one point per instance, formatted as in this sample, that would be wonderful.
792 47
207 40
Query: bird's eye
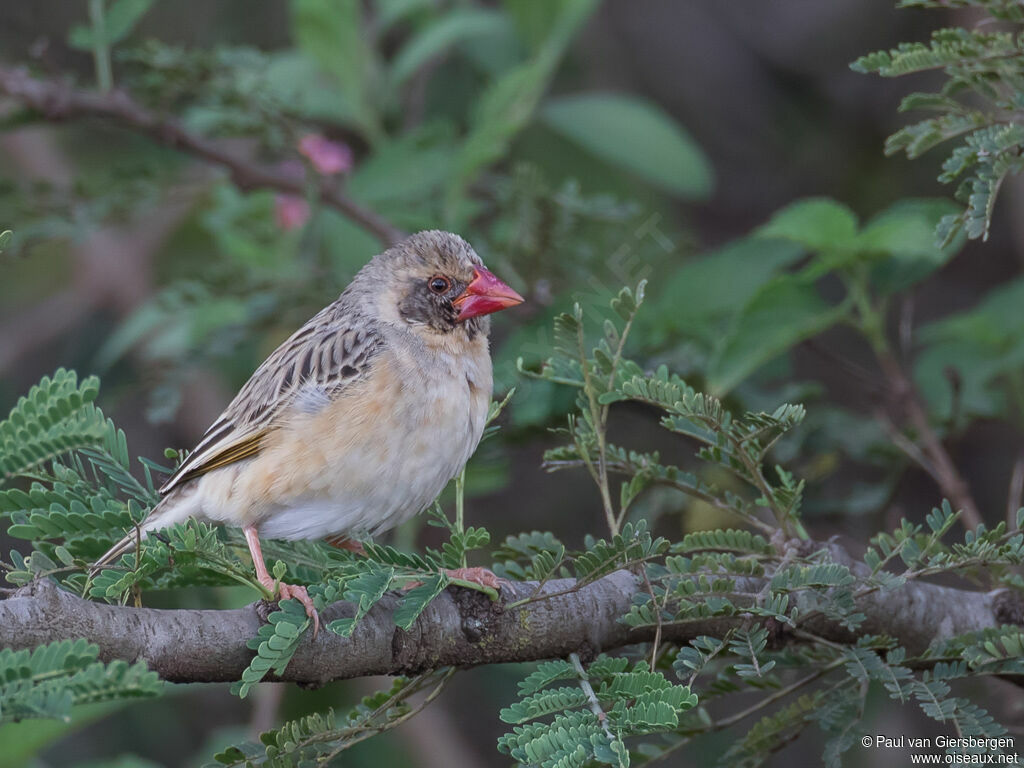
439 284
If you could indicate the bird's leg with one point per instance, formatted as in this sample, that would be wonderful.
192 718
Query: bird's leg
284 591
349 545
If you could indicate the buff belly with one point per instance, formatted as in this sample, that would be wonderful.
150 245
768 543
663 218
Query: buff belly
363 464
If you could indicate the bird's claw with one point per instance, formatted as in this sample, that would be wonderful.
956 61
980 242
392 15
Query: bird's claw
296 592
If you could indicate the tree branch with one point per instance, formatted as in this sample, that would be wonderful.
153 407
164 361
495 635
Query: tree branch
56 100
937 461
460 628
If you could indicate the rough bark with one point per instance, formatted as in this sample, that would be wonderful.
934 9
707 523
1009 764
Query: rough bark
460 628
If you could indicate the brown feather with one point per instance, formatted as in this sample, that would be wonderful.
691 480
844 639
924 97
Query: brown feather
249 446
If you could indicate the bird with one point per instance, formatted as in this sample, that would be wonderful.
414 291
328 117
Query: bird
359 419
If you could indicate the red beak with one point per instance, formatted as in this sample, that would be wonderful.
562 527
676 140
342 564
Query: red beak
484 295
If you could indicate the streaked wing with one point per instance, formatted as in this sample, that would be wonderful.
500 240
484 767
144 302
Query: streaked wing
309 370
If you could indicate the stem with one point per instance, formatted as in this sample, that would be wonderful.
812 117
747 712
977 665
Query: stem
100 46
363 732
56 101
658 609
753 709
781 693
1015 495
598 416
927 451
588 689
460 485
941 466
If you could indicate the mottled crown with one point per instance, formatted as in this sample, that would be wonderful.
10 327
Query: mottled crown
434 249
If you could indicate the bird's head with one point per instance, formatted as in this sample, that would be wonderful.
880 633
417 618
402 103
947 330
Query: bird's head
435 282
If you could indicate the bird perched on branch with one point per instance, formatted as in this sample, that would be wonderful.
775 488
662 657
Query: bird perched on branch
360 418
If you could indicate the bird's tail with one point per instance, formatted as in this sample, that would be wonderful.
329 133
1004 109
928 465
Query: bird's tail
128 544
171 509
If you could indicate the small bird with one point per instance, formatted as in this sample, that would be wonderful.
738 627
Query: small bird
360 418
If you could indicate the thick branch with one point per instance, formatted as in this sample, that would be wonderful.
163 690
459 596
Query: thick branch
460 628
57 100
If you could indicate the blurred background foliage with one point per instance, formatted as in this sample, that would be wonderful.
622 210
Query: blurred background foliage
724 151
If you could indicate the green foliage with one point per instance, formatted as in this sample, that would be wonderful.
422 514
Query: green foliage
508 103
977 105
54 418
531 556
565 715
740 445
589 723
743 542
453 101
660 152
119 19
737 573
48 681
633 545
275 644
985 346
72 512
771 733
319 737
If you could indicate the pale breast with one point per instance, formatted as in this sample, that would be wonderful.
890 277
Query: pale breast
370 459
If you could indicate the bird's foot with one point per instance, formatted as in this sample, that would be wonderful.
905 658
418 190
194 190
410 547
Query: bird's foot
480 576
347 544
293 591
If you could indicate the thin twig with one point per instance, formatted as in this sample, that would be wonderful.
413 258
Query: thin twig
904 443
721 725
598 417
414 686
588 689
100 46
780 694
56 100
1015 496
939 463
657 615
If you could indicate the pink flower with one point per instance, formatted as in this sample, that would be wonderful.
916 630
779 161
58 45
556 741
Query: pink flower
290 211
328 157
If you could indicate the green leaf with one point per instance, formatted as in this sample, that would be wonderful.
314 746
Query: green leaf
532 20
635 135
296 79
365 590
51 679
968 353
818 224
56 417
508 105
904 234
703 295
332 32
122 16
783 313
422 161
442 34
417 599
275 644
119 21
